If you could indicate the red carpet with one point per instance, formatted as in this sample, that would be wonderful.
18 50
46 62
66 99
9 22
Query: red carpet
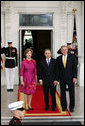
38 104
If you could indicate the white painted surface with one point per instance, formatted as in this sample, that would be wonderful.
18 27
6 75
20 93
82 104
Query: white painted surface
62 24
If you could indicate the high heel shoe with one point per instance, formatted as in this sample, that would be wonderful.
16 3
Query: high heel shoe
30 108
27 109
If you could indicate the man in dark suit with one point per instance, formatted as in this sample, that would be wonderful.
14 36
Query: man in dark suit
67 73
73 51
48 79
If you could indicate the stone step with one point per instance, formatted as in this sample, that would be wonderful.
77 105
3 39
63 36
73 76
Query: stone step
46 119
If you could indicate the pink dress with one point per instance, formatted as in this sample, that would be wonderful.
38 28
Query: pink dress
29 72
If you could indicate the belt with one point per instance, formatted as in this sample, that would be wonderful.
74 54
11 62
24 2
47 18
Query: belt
10 57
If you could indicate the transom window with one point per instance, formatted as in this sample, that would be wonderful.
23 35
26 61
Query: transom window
35 20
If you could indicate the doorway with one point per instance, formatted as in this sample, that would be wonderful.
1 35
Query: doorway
38 40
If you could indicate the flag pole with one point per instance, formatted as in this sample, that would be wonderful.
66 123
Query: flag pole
74 30
74 11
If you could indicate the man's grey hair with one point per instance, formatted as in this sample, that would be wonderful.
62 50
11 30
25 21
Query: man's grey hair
47 50
63 46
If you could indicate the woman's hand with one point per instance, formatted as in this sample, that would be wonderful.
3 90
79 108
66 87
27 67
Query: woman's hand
22 83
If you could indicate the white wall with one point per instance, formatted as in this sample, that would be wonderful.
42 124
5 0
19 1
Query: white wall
62 21
81 57
2 44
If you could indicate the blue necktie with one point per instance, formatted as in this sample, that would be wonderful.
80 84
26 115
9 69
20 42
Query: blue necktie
48 62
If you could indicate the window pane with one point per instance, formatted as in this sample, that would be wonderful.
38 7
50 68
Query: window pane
36 20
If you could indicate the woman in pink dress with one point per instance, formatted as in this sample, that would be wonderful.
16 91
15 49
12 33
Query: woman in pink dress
28 76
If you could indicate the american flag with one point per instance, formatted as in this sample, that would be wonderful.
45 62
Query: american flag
1 61
74 42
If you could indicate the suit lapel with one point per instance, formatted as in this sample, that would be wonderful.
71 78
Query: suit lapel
67 60
45 63
50 62
61 61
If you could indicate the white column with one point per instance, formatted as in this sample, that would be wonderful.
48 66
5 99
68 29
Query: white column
82 31
70 25
63 23
56 33
81 49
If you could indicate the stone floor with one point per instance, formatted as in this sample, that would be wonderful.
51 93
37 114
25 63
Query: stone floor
9 97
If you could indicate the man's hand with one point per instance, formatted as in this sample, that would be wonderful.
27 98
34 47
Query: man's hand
41 82
74 80
72 52
56 82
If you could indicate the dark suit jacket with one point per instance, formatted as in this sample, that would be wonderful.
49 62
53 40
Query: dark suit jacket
66 74
48 73
10 52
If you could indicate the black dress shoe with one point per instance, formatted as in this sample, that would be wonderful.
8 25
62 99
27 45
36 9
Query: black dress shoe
27 109
30 108
71 109
9 89
53 109
46 108
63 109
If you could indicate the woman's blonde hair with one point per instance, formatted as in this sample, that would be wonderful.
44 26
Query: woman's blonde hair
27 50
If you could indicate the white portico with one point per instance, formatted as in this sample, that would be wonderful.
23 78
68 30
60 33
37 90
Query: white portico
61 30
